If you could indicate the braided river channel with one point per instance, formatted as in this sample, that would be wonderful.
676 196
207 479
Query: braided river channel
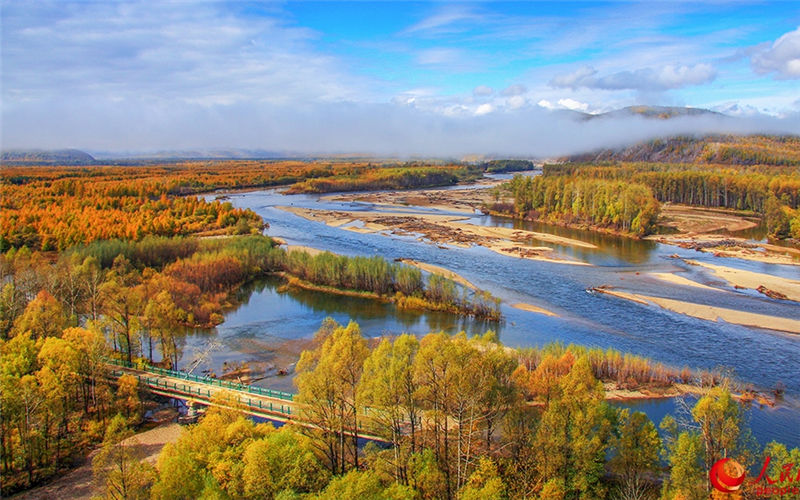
270 321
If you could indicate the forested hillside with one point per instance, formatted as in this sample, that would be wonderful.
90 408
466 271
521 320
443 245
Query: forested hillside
722 149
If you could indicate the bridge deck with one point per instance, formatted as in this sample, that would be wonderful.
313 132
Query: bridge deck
257 401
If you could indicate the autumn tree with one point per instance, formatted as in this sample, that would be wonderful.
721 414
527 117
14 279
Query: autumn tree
43 317
327 382
118 466
388 389
121 306
635 459
573 435
683 450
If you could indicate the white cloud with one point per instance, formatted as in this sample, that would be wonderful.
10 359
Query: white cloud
445 21
201 54
544 103
573 105
484 109
781 58
646 79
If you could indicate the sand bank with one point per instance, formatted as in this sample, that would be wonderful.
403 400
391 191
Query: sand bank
303 248
446 230
465 201
533 308
753 280
711 313
680 280
441 271
696 220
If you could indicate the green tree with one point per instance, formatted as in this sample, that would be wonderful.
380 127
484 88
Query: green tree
387 388
635 461
364 485
283 460
573 434
684 453
327 381
485 483
118 468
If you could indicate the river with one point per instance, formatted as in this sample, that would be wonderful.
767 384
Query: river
269 320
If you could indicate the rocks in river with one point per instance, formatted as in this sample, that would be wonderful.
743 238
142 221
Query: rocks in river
771 293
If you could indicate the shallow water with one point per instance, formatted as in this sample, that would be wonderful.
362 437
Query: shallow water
759 356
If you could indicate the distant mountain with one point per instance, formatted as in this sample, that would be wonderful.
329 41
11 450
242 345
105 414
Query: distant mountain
42 157
716 149
660 112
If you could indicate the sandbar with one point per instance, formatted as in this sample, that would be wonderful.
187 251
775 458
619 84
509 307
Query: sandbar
303 248
680 280
441 271
445 230
750 279
712 313
535 309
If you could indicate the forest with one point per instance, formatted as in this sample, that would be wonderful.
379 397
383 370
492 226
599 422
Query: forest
466 418
61 316
629 208
58 207
621 190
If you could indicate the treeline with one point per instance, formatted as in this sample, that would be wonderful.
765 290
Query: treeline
467 419
695 185
498 166
59 214
621 206
389 178
715 149
57 207
774 194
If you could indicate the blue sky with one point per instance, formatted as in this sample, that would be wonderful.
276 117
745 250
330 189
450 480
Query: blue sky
331 76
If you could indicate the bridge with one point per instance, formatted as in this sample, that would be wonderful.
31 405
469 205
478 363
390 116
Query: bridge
257 401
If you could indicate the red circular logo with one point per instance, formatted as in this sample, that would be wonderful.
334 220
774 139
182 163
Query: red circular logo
727 481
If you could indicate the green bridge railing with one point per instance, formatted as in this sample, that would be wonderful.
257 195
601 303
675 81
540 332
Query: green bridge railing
206 393
252 389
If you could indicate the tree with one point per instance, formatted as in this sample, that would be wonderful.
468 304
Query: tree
635 462
388 390
721 427
118 468
128 399
485 483
284 460
684 453
327 382
364 485
43 317
573 435
121 305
